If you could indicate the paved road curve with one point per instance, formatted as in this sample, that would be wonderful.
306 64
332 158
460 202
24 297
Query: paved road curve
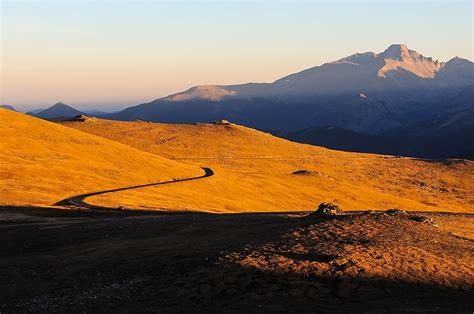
79 200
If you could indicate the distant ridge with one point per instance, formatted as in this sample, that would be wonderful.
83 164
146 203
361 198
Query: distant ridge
57 111
93 112
7 107
34 112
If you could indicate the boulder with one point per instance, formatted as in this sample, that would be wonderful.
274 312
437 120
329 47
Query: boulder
222 122
328 209
423 219
396 212
79 118
370 212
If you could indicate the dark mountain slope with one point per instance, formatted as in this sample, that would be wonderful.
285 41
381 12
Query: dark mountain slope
370 93
58 111
7 107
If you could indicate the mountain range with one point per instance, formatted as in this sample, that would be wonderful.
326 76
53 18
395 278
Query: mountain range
365 92
395 102
395 97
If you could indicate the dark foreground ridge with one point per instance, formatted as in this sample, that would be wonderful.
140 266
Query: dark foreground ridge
94 261
79 200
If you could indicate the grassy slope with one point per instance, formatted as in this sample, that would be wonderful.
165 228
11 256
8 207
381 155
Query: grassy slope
43 162
355 181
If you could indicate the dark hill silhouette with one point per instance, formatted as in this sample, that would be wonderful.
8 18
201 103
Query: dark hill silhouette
7 107
57 112
448 143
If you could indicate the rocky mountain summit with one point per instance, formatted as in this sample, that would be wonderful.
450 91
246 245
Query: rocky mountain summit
365 92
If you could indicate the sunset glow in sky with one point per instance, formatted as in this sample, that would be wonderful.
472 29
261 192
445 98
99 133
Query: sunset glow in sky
105 53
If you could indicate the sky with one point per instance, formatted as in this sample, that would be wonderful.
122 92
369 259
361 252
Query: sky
113 54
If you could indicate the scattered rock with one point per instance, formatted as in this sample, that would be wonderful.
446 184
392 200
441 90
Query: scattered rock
79 118
440 189
221 122
396 212
423 219
370 212
121 208
342 263
328 209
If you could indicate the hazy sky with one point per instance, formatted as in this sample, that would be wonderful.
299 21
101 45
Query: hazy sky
121 53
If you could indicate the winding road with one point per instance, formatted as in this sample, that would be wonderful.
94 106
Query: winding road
79 200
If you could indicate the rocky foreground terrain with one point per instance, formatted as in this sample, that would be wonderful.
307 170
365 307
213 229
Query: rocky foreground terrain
56 260
246 239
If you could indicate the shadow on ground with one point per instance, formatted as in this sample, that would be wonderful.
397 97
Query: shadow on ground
54 260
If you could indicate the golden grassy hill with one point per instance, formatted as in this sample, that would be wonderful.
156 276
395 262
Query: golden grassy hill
197 140
253 172
42 162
